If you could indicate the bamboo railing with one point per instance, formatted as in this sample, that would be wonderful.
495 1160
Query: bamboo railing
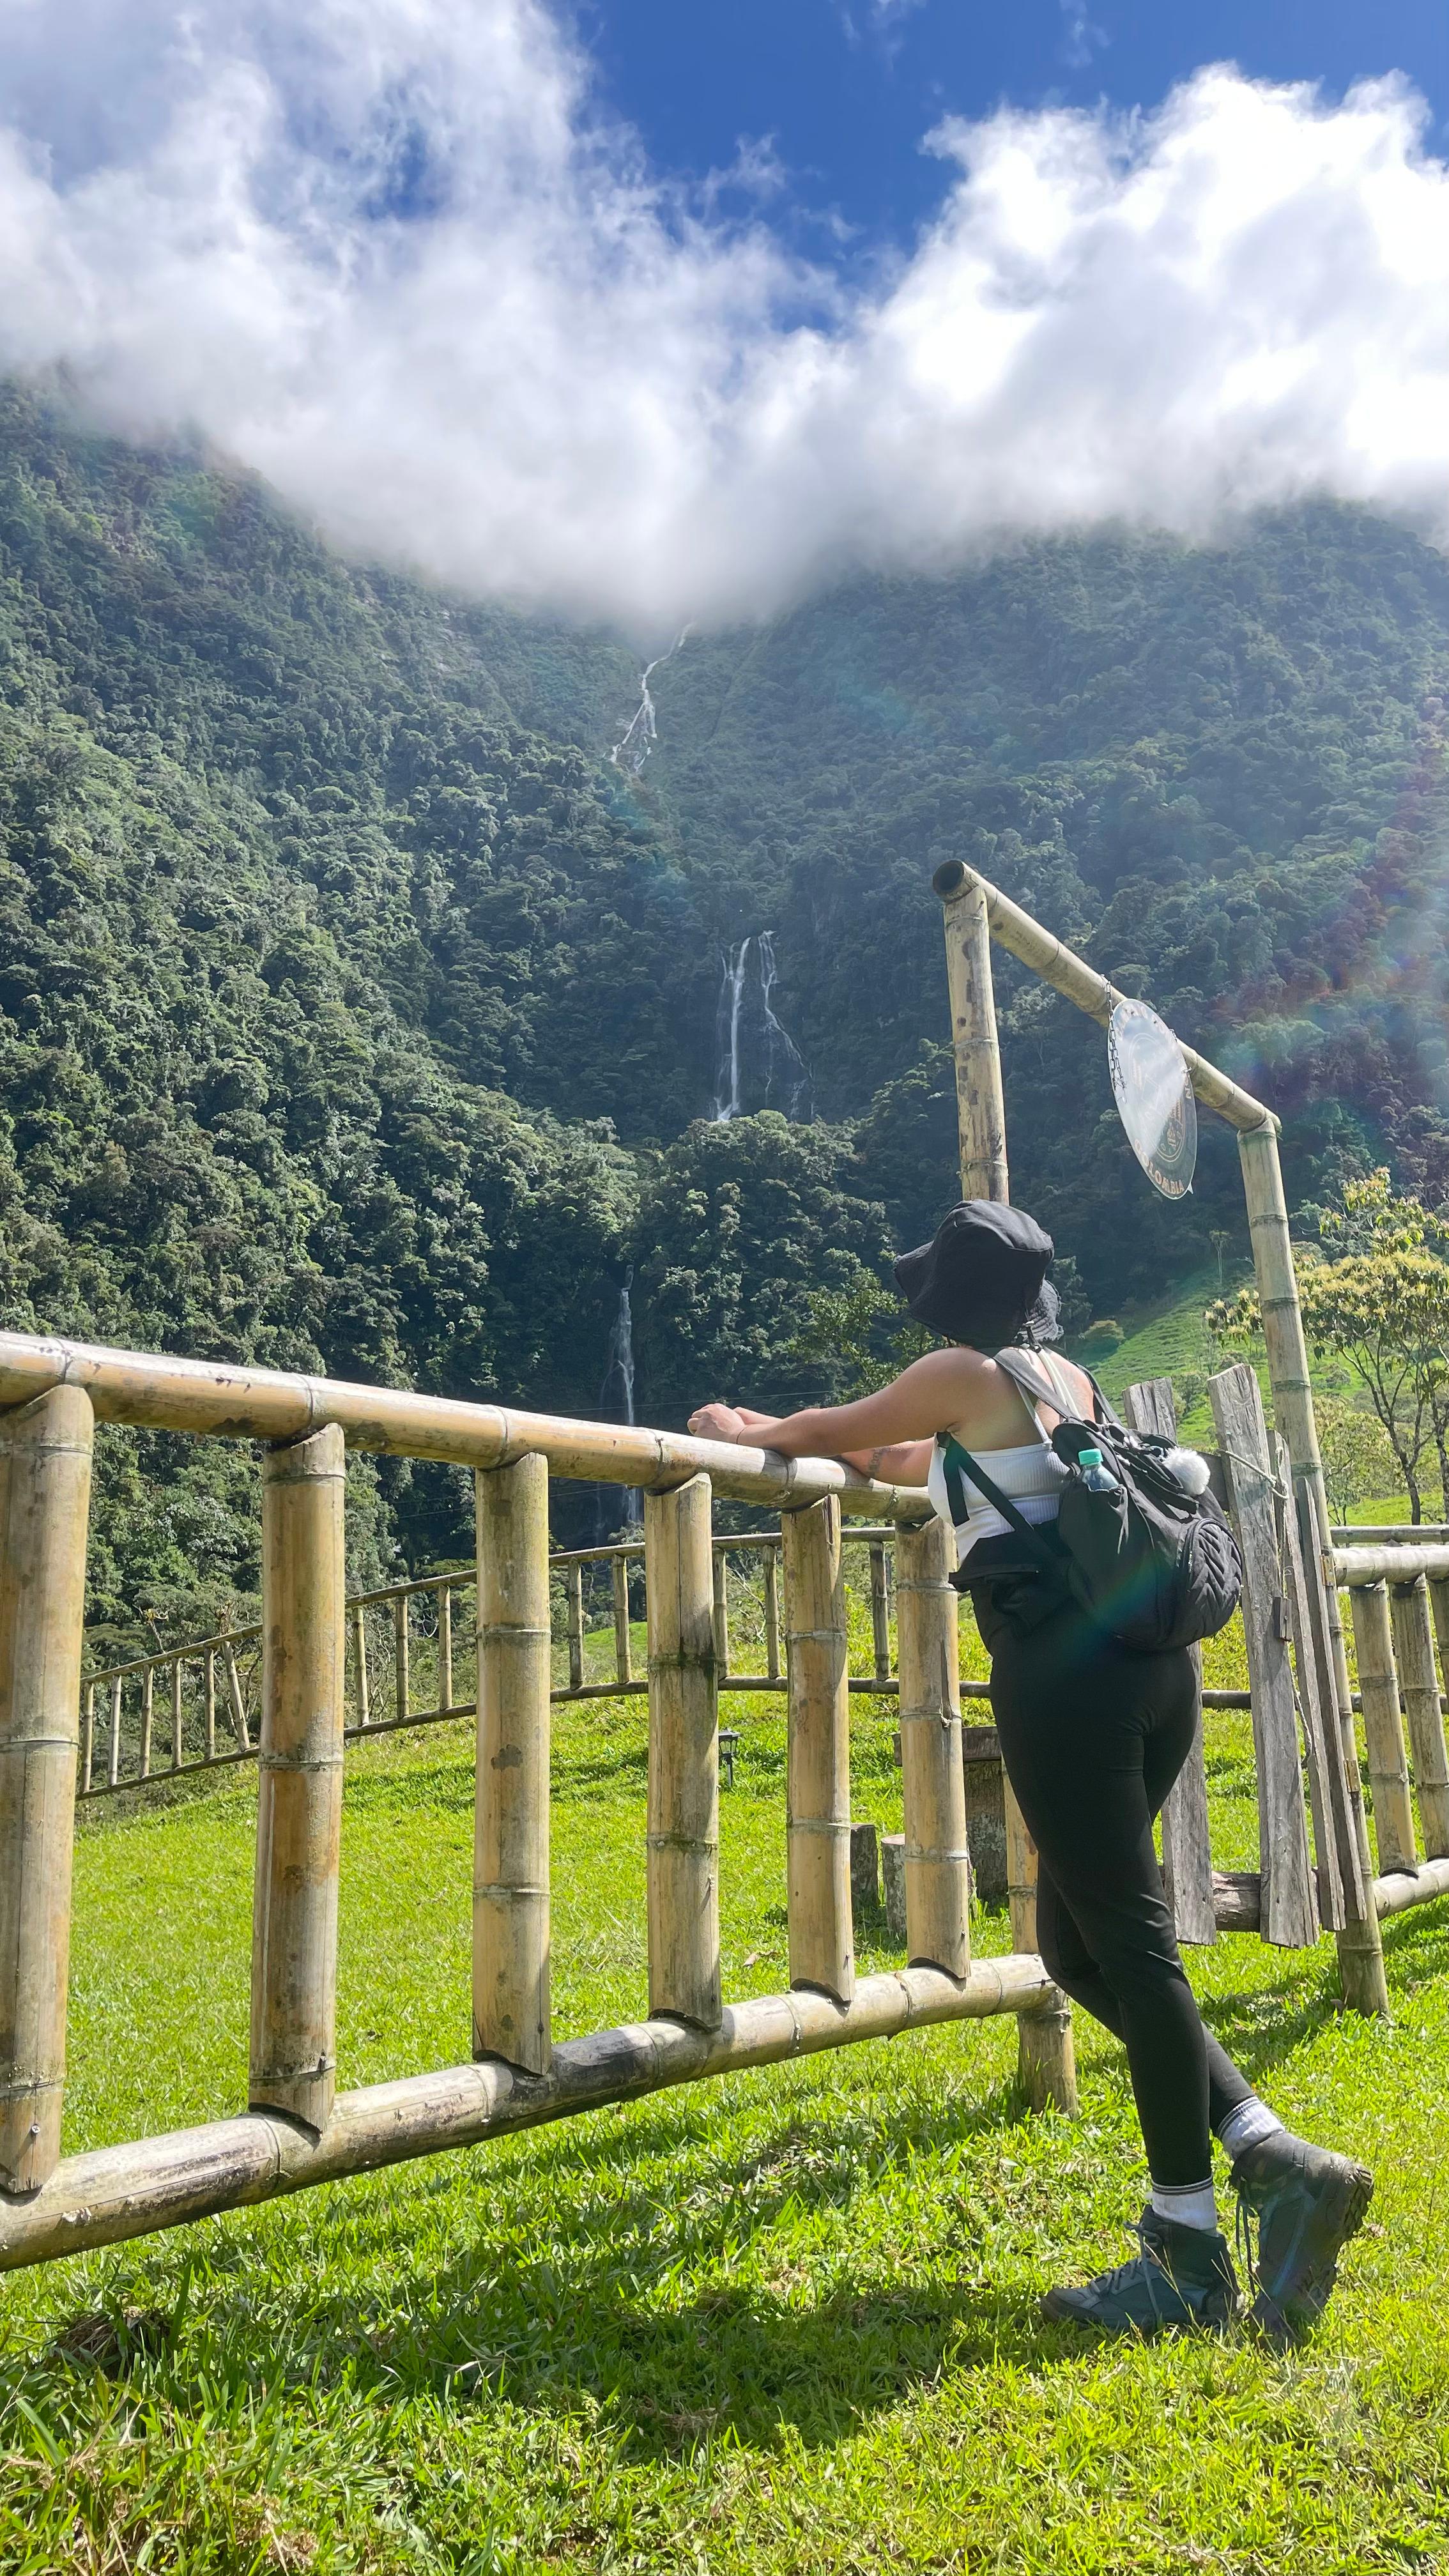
289 1692
297 2128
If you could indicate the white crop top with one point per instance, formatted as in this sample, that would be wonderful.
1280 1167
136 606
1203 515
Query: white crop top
1032 1475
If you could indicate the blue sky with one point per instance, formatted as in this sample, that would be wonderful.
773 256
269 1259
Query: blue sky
847 89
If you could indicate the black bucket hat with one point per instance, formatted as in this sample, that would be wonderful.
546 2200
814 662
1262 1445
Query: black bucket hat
982 1277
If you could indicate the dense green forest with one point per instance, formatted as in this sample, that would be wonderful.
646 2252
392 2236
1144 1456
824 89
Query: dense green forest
357 1013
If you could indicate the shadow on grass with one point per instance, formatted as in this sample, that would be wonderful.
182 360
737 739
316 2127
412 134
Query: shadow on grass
582 2318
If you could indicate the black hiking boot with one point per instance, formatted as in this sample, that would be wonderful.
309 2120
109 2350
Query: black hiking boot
1307 2202
1182 2277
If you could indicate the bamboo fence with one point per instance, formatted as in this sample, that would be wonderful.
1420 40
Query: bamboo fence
319 1670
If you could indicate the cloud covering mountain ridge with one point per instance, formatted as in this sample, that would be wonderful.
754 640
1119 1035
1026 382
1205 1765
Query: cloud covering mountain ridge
401 264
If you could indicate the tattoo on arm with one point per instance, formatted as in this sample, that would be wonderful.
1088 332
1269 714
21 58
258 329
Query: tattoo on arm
873 1462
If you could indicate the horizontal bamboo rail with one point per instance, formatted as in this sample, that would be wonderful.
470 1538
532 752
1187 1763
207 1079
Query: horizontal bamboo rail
1391 1533
212 1398
1071 976
119 2192
1356 1566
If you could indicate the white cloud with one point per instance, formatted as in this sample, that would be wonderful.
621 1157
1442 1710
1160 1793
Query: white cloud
390 256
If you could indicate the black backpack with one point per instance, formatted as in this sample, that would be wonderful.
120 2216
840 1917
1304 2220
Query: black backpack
1153 1565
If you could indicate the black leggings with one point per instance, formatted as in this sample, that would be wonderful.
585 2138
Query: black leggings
1093 1737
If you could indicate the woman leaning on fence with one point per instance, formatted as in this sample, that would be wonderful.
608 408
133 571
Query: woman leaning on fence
1093 1734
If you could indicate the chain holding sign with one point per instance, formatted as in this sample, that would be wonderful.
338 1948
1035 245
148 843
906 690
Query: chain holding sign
1154 1097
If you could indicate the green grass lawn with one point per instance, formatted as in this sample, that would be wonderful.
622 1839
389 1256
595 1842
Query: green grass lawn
784 2322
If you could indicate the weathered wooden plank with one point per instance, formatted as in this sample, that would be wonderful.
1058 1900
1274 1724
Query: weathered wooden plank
1187 1865
1290 1904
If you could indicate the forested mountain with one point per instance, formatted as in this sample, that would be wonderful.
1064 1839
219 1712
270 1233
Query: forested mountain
357 1013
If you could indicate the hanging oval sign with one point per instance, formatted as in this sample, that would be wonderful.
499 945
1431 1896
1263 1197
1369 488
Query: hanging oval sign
1153 1091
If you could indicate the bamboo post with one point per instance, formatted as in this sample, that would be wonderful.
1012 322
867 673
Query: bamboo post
574 1590
235 1703
445 1646
148 1712
176 1729
822 1951
623 1643
45 1482
721 1614
772 1614
401 1677
88 1737
299 1799
938 1864
1359 1942
210 1712
1414 1649
1378 1683
359 1659
980 1107
113 1753
683 1820
880 1626
1046 2062
511 2007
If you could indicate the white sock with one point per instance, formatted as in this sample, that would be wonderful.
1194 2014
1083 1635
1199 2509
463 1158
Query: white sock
1245 2125
1187 2204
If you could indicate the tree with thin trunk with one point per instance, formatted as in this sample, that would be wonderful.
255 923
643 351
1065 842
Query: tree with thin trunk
1381 1301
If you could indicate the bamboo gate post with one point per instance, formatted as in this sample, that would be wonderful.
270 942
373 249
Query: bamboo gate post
45 1480
1383 1727
623 1644
721 1616
445 1647
937 1860
299 1797
772 1613
817 1815
682 1834
1414 1648
1187 1861
976 911
1046 2061
511 2002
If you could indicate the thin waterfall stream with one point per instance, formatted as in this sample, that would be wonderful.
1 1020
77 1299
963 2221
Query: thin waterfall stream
754 1052
619 1372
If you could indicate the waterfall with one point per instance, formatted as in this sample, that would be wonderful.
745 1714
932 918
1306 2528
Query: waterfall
619 1364
781 1052
727 1033
620 1361
745 1021
642 731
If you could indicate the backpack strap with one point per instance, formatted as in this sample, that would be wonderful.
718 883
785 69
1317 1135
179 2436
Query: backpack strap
955 1458
1026 1371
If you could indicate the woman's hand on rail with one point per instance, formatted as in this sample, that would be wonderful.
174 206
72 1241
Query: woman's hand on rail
886 1434
719 1422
